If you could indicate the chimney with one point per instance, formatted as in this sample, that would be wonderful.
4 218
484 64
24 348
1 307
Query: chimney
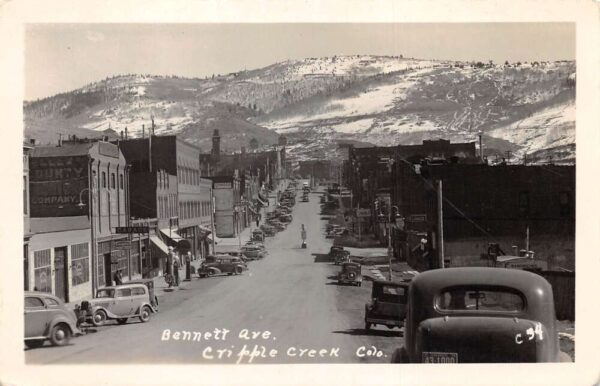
143 131
122 136
59 140
126 136
152 118
216 144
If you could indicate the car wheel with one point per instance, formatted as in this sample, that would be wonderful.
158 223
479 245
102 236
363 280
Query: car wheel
390 327
145 314
202 275
34 343
122 320
367 326
229 273
238 270
60 335
99 318
210 272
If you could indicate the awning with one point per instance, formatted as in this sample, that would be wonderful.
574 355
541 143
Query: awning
171 234
159 243
204 231
211 237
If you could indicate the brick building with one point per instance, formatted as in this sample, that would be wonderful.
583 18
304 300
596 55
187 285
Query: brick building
78 195
484 204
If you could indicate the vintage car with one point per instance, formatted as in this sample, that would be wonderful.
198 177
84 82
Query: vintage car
150 284
221 264
339 255
480 315
388 304
119 302
258 235
278 225
285 218
48 318
305 198
253 251
350 274
268 230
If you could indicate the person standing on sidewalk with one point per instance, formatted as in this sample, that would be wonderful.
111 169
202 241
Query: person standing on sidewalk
176 265
118 277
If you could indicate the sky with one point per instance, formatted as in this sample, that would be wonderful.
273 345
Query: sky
64 57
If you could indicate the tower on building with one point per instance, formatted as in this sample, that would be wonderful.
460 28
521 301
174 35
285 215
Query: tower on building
216 144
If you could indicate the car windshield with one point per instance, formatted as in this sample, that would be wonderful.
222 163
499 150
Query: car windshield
390 294
480 299
106 293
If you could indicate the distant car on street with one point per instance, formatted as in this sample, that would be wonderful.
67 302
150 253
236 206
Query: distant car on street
48 318
221 264
480 315
258 235
339 255
285 218
278 225
120 303
350 274
269 230
252 251
388 304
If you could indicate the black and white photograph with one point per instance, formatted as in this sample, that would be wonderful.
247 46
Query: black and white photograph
300 193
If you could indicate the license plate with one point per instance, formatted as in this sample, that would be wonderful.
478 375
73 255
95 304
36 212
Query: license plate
440 357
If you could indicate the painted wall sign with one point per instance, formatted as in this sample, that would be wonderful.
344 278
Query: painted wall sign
56 184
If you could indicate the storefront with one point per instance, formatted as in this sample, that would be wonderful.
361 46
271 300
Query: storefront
59 263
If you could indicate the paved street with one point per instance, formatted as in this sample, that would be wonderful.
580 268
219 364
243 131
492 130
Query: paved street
286 302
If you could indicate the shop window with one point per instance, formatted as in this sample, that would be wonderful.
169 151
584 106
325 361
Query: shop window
80 264
42 271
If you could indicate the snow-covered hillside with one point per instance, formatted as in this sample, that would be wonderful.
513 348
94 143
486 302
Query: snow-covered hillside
318 102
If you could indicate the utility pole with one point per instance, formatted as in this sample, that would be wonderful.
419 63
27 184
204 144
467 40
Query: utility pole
212 220
440 226
390 242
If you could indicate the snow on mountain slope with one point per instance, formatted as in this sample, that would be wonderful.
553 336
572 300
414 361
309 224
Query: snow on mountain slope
551 127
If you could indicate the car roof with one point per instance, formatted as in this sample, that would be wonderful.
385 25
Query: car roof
124 285
437 279
41 294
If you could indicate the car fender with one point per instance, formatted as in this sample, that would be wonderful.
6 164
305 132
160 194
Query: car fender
139 309
67 321
109 314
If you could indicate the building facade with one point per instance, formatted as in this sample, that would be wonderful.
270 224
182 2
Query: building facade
78 196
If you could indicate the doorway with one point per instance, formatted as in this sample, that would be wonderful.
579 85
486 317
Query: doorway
61 287
107 269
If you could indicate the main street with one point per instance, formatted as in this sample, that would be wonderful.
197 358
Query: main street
287 303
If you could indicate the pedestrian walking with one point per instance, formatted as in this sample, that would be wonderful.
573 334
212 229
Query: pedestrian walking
303 236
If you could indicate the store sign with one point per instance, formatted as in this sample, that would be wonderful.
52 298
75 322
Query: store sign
363 213
417 218
56 184
222 185
132 229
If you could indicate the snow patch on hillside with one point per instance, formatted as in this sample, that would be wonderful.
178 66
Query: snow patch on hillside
554 126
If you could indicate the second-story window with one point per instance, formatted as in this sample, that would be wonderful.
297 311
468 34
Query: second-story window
121 181
104 179
112 181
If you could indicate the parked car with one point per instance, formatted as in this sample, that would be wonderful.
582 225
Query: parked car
269 230
150 284
305 198
285 218
221 264
258 235
339 255
480 314
350 274
388 304
119 302
48 318
278 225
253 251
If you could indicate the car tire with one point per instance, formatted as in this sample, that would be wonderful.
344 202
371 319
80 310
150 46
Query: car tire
145 313
202 276
229 273
367 326
210 272
99 318
60 334
34 343
122 320
238 270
